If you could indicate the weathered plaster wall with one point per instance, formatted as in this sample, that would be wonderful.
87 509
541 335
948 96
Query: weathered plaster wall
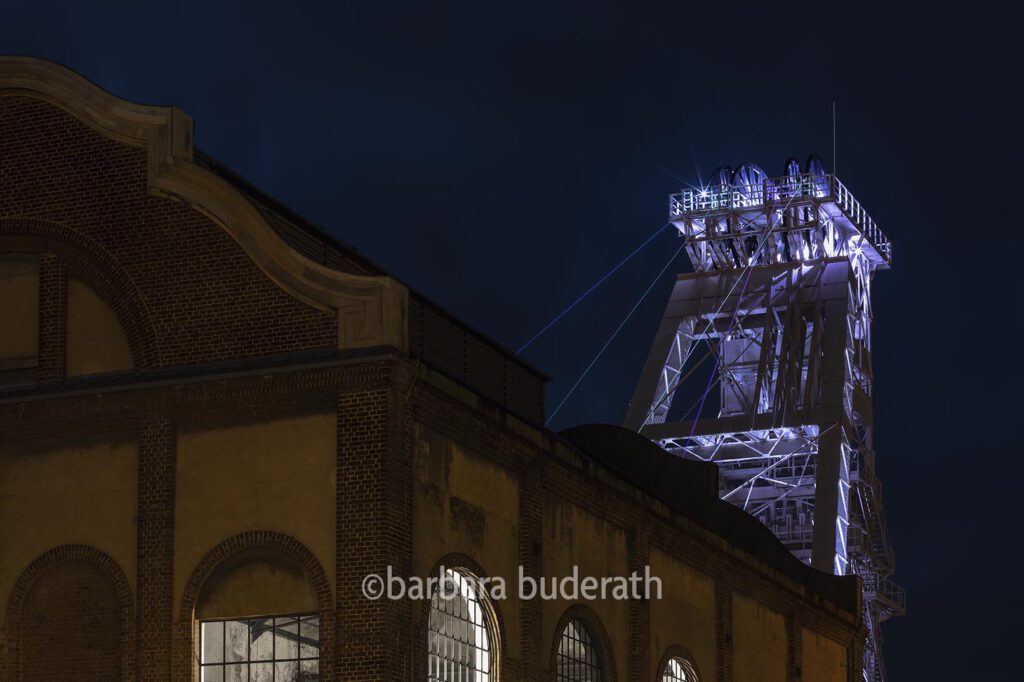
277 475
575 537
759 642
685 616
825 660
19 301
84 495
256 582
465 504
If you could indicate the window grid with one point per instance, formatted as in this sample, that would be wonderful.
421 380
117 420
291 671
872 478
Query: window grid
273 649
679 670
458 637
578 659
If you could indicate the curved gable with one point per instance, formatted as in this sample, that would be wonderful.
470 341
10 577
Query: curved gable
217 280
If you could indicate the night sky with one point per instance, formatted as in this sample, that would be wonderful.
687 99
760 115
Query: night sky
500 159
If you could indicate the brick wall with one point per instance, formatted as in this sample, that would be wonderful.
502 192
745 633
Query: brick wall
53 318
374 527
155 547
203 295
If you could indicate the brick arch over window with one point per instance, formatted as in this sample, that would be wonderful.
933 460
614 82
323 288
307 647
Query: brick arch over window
680 652
187 630
590 620
72 566
89 262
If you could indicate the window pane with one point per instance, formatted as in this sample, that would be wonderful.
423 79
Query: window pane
261 672
214 673
213 643
236 633
309 640
577 659
261 648
287 672
310 671
286 631
236 673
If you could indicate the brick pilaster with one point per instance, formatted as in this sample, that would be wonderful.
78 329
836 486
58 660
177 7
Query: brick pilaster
53 318
723 632
157 463
794 647
374 531
639 655
533 649
856 656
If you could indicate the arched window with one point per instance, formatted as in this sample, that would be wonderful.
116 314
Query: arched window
578 658
258 613
461 635
94 341
19 334
264 649
679 670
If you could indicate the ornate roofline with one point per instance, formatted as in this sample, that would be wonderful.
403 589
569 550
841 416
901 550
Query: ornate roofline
372 311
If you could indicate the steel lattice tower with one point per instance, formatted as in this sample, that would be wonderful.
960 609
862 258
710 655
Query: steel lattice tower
780 297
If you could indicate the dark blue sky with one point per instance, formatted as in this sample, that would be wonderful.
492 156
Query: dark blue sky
501 158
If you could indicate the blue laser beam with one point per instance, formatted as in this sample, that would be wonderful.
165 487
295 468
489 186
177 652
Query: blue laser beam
616 332
599 282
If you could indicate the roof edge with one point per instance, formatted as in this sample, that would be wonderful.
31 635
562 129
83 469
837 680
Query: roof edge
690 488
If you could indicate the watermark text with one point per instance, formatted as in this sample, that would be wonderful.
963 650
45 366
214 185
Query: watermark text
448 584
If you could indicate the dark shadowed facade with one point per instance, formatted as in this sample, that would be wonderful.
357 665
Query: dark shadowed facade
216 421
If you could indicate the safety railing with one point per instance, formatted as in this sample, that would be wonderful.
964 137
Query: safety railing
700 203
885 591
733 197
862 463
792 531
859 217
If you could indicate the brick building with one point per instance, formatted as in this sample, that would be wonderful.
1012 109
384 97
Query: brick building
216 421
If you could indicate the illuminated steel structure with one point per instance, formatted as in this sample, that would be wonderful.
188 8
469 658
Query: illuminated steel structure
781 300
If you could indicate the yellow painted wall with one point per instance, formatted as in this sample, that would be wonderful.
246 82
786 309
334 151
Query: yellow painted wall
19 309
575 537
96 341
685 615
256 582
277 475
824 659
759 642
73 495
466 504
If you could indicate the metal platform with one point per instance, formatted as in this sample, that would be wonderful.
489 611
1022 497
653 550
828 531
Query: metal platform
835 222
